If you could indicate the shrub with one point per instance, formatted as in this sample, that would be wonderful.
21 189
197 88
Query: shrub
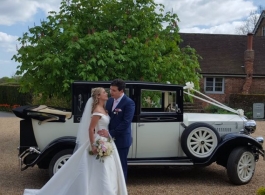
215 109
261 191
7 107
52 102
10 97
249 115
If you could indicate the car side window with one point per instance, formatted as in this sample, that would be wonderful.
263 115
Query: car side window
158 101
127 92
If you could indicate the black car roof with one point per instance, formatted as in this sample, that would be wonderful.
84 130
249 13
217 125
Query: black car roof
129 83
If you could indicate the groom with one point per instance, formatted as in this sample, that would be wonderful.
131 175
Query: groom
121 110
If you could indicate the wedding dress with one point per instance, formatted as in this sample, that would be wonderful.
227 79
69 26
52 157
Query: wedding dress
83 174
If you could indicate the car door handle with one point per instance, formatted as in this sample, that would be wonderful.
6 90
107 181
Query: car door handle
140 124
218 123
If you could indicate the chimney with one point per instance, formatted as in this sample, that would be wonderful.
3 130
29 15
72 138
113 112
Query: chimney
250 41
249 62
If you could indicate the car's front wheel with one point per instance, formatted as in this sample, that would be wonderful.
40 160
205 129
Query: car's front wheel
241 166
59 160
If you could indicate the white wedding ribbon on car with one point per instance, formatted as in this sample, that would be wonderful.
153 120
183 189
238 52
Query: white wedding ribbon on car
190 87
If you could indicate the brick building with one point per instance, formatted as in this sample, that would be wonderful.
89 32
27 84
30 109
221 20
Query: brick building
230 63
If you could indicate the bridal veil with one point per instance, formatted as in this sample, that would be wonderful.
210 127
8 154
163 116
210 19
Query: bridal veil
82 133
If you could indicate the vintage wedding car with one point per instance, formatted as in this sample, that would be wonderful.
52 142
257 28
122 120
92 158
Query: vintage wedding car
162 133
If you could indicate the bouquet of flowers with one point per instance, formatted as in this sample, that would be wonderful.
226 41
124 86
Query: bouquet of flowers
104 148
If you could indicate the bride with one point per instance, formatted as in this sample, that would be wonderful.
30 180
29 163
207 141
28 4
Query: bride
83 174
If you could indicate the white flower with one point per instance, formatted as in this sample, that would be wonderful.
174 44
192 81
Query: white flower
104 148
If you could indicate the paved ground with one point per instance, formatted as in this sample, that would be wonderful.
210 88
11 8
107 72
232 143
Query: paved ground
142 180
6 114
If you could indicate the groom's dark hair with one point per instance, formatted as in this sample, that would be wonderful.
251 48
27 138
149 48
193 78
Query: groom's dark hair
119 83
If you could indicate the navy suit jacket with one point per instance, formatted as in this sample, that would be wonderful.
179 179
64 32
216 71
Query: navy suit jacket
120 121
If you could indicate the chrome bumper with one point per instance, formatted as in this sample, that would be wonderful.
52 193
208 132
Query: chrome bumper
262 153
30 150
260 140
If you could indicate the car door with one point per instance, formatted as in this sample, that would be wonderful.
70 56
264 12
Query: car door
157 127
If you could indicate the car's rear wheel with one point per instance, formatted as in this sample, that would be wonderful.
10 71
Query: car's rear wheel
241 166
199 140
59 160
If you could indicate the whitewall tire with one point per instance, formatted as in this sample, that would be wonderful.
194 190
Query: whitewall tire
59 160
241 166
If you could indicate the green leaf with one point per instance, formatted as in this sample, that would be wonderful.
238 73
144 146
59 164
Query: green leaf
101 41
101 62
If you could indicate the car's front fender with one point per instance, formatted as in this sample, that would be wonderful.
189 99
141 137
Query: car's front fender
238 139
227 144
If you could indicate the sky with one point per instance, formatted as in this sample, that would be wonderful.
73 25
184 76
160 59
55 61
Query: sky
196 16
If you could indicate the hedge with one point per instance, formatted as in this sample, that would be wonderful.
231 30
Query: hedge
10 97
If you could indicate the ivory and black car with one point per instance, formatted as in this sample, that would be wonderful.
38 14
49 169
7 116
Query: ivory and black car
162 133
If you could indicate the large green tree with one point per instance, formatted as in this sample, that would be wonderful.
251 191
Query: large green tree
102 40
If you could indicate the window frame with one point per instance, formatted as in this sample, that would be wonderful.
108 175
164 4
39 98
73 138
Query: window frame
162 108
263 31
214 85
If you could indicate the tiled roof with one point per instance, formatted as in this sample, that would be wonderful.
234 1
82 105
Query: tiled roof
224 54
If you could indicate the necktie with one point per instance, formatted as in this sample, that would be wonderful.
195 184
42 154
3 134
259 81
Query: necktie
114 104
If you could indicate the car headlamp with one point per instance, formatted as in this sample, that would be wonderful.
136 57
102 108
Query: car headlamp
250 126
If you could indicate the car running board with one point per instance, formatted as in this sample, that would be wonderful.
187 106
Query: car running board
160 162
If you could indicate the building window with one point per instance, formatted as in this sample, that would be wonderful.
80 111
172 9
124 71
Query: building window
263 31
214 85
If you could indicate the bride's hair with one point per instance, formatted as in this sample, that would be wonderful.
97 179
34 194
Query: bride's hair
94 94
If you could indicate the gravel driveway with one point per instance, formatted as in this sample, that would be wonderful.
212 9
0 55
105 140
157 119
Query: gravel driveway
142 180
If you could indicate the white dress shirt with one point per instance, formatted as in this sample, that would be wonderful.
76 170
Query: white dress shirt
116 101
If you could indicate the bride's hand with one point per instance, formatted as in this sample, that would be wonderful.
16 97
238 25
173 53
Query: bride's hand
94 150
103 133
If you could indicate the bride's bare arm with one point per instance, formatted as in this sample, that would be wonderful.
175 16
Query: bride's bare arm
93 123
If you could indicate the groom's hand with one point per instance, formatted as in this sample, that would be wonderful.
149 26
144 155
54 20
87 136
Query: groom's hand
103 133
